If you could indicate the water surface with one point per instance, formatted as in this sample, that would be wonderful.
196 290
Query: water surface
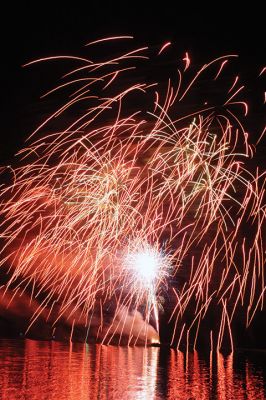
50 370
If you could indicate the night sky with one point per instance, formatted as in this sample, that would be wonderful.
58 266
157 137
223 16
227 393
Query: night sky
44 30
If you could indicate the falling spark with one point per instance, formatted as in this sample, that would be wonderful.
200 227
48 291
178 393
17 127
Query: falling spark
167 44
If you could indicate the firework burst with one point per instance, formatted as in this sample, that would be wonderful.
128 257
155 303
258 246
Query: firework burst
109 210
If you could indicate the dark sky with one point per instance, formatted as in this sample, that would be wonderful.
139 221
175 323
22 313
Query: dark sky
29 32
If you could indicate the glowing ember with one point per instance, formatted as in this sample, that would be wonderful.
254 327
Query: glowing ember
146 265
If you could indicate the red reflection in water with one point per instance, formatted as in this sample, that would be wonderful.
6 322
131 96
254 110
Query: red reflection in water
192 378
187 378
233 386
48 370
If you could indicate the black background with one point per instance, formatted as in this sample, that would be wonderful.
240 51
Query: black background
43 29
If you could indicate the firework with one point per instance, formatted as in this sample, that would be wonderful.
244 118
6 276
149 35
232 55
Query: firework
112 209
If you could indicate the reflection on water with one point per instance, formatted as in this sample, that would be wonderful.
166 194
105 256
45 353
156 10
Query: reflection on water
48 370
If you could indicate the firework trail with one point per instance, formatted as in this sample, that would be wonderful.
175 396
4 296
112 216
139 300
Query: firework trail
108 211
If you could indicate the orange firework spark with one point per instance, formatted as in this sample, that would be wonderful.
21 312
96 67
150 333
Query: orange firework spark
131 194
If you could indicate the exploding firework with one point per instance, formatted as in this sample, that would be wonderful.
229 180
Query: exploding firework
136 200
